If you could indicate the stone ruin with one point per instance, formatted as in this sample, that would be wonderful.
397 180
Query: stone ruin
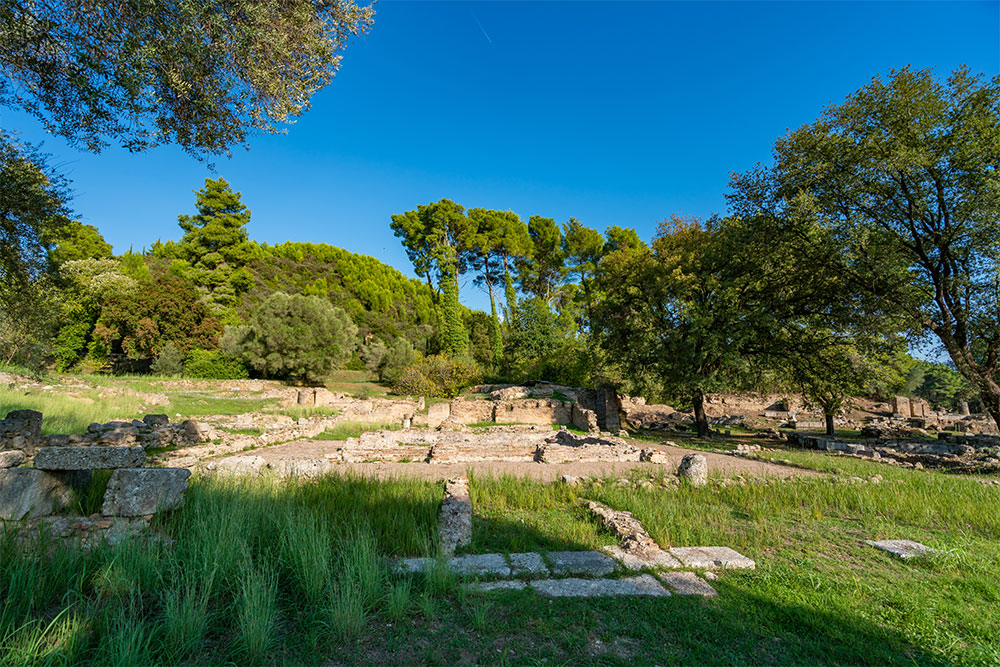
63 465
969 453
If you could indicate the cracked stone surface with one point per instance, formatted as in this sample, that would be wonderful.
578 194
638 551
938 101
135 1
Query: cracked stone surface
644 584
455 517
632 561
587 563
901 548
492 564
502 585
687 583
530 564
710 558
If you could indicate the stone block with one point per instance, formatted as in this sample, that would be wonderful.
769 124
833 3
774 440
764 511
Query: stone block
480 564
455 516
89 458
141 491
901 548
635 562
412 565
11 458
156 420
694 469
643 584
502 585
709 558
587 563
28 493
527 564
687 583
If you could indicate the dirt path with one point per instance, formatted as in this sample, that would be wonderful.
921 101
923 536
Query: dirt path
728 466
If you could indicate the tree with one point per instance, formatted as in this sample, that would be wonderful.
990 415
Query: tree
216 243
484 251
542 269
904 175
582 248
297 337
433 236
839 368
76 241
33 208
203 74
515 245
398 358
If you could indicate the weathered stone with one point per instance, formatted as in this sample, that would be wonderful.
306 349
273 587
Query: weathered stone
57 440
455 516
412 565
687 583
635 562
527 564
708 558
587 563
501 585
28 493
89 458
118 437
141 491
694 468
237 465
194 431
156 420
491 564
904 549
643 584
11 458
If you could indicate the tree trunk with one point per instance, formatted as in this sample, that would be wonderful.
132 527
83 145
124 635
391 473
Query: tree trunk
829 423
700 420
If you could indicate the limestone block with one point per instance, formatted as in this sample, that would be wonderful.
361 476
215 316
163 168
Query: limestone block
687 583
455 517
530 564
694 468
644 584
708 558
238 465
141 491
480 564
901 548
89 458
588 563
28 493
11 458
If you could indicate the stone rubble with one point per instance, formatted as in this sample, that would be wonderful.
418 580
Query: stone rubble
638 550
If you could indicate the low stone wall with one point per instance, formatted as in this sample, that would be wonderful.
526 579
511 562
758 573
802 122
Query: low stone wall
133 495
536 411
949 451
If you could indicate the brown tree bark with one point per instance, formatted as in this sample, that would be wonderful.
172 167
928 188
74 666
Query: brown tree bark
700 419
829 424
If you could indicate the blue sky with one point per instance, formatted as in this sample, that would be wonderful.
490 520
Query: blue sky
613 113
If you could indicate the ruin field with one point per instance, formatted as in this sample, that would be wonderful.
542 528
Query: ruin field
511 525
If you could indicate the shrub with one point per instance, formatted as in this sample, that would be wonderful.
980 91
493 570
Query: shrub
214 365
169 362
437 376
298 337
396 360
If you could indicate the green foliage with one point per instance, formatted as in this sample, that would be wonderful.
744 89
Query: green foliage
130 77
454 338
169 361
903 174
214 365
542 270
397 359
437 376
297 337
74 241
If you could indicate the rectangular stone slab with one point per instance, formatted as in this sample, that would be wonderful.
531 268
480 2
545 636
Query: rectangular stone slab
530 564
502 585
89 458
644 584
711 558
141 491
27 493
631 561
488 564
687 583
901 548
586 563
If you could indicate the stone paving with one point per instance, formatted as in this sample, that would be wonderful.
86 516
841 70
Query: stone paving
710 558
904 549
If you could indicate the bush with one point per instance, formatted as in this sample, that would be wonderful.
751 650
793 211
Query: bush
214 365
297 337
437 376
169 362
396 360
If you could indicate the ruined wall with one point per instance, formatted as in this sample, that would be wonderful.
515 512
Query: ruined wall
533 411
585 420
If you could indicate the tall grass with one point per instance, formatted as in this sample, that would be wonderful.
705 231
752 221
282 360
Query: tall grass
73 411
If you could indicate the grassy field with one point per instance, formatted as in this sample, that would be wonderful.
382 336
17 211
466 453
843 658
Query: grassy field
288 572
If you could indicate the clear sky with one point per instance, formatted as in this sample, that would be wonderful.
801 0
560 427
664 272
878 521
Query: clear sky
613 113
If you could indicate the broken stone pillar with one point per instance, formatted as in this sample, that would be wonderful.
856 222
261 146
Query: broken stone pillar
901 406
694 469
964 409
455 518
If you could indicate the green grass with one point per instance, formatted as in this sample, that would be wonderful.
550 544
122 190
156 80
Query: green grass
345 430
267 571
73 410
